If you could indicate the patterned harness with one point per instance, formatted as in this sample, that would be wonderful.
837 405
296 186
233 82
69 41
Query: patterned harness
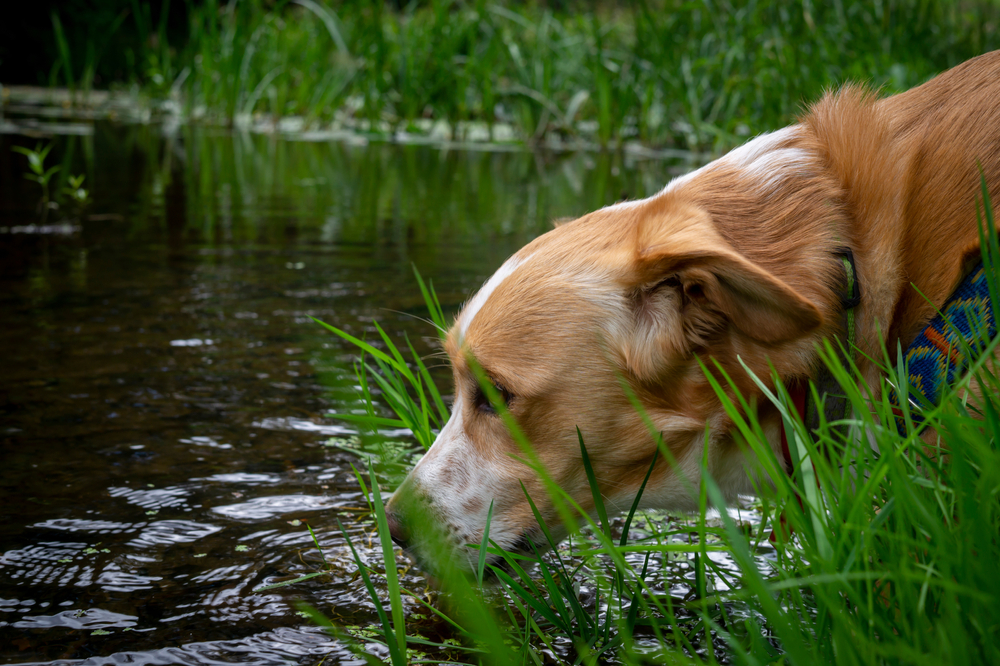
939 355
944 350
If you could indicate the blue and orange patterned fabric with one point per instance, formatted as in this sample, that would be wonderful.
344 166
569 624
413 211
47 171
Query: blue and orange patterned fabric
943 351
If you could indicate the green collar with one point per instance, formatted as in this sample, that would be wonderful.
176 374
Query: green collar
834 403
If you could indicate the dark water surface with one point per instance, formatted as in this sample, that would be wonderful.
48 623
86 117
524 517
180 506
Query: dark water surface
163 390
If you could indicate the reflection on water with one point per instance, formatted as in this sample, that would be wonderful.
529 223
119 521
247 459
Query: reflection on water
163 387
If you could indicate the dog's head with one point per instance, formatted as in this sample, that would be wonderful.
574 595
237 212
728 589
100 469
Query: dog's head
635 294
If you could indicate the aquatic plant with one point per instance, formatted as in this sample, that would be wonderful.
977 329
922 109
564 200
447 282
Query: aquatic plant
38 173
665 73
886 551
75 191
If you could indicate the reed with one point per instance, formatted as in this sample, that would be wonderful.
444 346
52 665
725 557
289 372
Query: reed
666 73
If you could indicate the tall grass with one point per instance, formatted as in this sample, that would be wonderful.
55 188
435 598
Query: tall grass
693 74
888 537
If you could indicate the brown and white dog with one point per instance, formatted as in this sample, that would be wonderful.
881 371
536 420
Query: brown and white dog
736 260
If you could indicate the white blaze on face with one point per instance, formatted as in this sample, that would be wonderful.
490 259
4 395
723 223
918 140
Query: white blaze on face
473 307
459 481
454 474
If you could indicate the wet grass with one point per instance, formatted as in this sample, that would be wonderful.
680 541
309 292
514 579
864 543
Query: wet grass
886 547
665 73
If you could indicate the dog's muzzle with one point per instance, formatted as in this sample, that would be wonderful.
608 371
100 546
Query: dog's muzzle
397 530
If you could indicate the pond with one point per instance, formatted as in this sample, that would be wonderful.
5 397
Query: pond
164 392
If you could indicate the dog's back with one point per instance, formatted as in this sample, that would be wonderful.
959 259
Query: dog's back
910 167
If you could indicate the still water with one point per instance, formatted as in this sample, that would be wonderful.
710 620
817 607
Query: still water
164 393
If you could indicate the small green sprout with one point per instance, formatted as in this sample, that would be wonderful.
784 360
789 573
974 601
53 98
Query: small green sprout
39 174
75 190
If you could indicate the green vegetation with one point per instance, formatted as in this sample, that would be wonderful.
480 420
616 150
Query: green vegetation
38 173
665 73
893 559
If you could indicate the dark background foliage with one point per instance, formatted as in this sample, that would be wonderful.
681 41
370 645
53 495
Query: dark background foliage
28 50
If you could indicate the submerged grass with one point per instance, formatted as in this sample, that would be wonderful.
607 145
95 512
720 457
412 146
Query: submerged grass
887 544
691 74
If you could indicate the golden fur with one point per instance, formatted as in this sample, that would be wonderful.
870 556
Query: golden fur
733 262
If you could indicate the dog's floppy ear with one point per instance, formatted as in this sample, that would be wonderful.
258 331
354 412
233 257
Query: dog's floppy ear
689 281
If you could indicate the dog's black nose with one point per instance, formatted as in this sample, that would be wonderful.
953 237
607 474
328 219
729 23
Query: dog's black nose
400 535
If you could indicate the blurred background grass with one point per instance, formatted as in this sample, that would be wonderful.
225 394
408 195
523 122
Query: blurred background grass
667 73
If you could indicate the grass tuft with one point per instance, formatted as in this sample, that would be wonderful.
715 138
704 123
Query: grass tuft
665 73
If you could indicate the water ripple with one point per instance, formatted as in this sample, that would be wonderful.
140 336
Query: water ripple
201 440
278 647
262 508
90 619
243 477
165 532
302 425
113 579
92 526
157 498
234 572
50 551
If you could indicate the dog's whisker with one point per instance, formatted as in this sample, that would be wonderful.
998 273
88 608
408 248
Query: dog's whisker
411 316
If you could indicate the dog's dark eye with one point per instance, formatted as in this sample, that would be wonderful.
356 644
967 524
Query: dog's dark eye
482 403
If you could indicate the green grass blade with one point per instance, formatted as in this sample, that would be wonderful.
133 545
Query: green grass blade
397 657
308 576
481 565
360 344
64 52
428 382
319 548
533 601
433 304
389 555
638 497
374 422
595 491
